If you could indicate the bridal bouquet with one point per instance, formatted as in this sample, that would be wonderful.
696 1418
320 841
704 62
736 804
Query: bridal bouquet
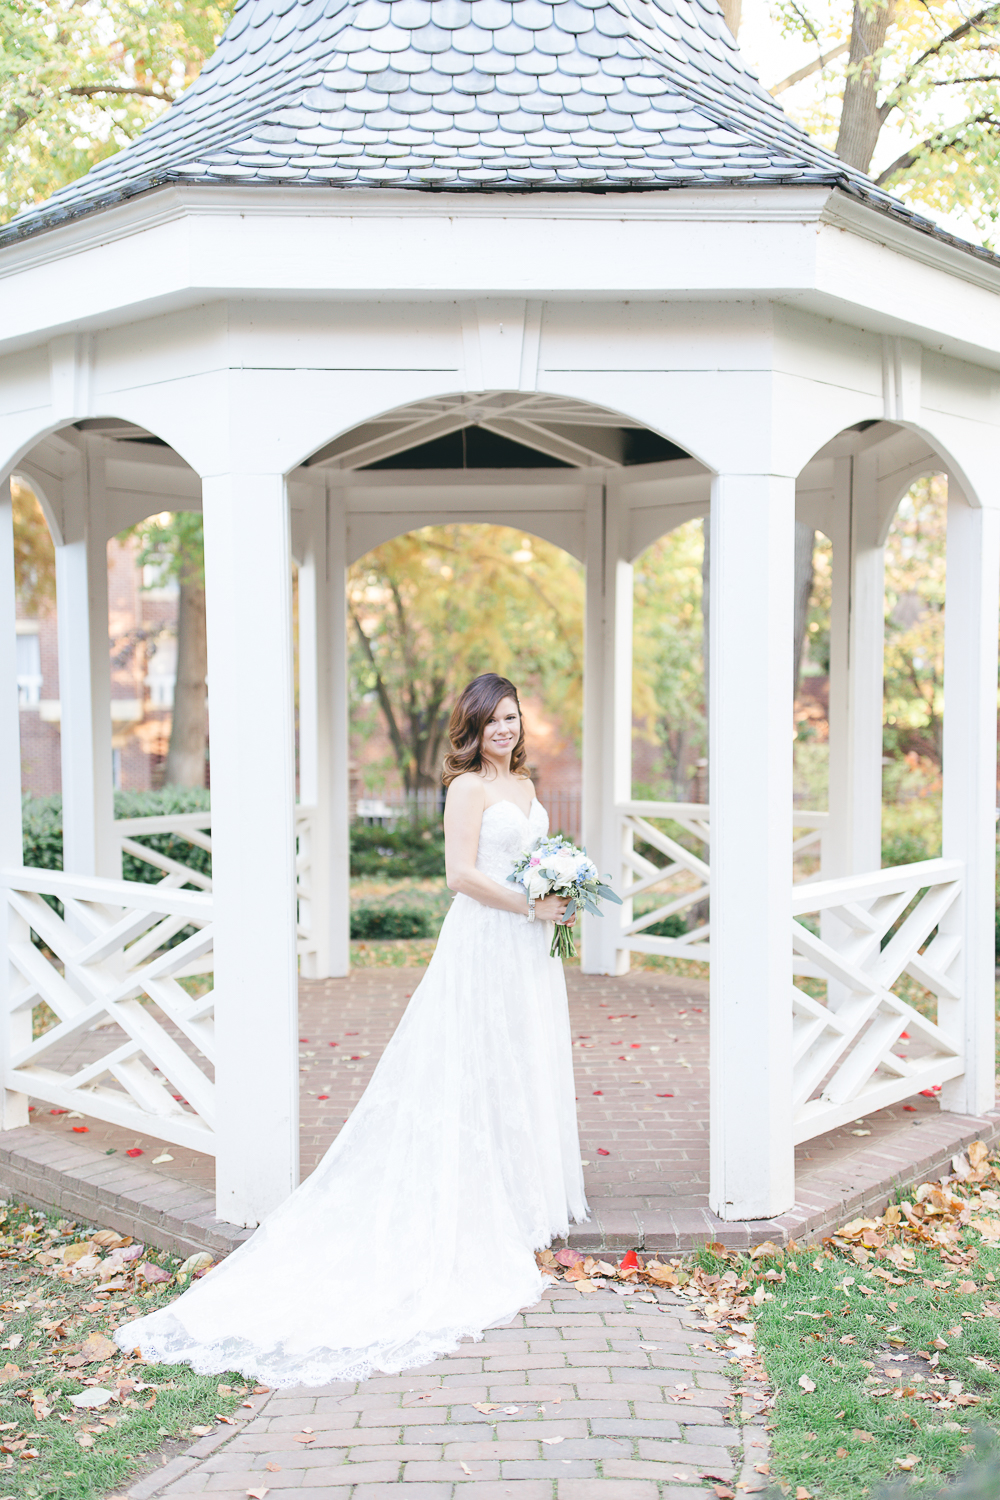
554 864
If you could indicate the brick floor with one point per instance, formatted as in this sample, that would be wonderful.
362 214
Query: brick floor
640 1047
623 1428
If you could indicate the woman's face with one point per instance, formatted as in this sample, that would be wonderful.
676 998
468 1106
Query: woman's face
502 730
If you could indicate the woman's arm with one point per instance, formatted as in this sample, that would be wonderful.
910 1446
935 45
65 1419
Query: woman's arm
463 816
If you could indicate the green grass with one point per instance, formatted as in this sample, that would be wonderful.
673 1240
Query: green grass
34 1401
838 1335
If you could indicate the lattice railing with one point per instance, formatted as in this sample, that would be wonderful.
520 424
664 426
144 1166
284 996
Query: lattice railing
130 1043
849 1053
195 828
683 879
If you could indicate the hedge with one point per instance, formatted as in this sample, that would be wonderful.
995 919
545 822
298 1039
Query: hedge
376 922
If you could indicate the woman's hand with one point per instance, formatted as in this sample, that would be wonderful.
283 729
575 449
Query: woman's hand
552 909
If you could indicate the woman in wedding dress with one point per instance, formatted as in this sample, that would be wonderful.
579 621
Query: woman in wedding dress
419 1226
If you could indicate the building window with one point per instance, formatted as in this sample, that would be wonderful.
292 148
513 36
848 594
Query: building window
161 670
29 669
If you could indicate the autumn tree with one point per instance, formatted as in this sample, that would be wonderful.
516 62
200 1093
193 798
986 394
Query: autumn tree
173 545
434 608
34 554
918 75
78 82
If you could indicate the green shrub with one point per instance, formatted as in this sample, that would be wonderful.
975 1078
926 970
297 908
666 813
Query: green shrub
903 849
377 922
42 840
674 926
410 849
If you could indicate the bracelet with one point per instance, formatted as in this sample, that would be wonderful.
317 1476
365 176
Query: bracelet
531 909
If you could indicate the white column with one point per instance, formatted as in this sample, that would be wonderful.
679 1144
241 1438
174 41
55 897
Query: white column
607 718
970 761
335 741
323 734
248 595
311 584
750 725
15 1030
89 844
853 842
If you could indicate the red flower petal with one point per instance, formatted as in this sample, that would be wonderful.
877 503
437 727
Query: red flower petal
81 1129
629 1261
636 1044
135 1151
601 1151
304 1039
356 1057
664 1096
334 1044
321 1097
58 1111
911 1107
598 1092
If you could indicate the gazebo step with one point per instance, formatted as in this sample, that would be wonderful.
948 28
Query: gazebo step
112 1193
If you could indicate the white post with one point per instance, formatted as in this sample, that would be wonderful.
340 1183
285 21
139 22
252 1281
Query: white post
750 726
335 788
607 718
970 759
311 583
15 1030
89 844
248 595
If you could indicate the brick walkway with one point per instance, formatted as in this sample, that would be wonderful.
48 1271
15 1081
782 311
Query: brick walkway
641 1054
609 1397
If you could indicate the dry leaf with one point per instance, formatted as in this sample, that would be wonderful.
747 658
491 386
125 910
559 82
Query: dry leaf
862 1436
301 1438
723 1492
465 1468
93 1396
552 1440
272 1468
485 1407
806 1384
802 1493
200 1431
909 1462
96 1347
258 1494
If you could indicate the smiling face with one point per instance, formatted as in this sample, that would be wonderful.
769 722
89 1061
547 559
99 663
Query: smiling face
501 732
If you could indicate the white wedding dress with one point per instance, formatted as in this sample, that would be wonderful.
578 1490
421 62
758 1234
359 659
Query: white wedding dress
419 1226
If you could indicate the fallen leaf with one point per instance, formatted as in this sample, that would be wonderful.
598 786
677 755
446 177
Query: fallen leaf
841 1452
802 1493
806 1384
199 1262
258 1494
464 1467
723 1492
862 1436
272 1468
93 1396
300 1437
909 1462
164 1156
855 1132
200 1431
485 1407
511 1411
153 1274
553 1440
96 1347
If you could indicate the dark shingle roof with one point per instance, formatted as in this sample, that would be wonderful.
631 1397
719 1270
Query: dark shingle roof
468 94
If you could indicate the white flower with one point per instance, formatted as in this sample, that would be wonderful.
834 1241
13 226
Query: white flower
536 882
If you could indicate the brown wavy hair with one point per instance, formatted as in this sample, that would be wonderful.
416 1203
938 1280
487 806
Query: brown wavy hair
469 718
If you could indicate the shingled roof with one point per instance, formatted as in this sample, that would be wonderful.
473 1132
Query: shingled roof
512 95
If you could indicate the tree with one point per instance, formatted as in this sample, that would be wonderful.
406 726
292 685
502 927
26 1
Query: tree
434 608
34 554
914 623
928 72
79 81
174 545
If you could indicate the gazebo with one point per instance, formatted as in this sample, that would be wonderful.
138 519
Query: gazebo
583 226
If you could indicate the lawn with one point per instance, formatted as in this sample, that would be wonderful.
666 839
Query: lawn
883 1343
66 1287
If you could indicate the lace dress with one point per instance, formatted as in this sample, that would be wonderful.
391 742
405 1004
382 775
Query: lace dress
460 1160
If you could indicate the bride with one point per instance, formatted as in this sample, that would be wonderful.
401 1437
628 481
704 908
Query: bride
418 1228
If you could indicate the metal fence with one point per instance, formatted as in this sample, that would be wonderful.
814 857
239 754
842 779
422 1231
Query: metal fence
426 805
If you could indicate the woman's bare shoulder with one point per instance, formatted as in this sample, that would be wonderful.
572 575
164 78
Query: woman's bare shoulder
468 789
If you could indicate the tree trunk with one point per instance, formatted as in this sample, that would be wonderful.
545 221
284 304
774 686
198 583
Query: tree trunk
186 756
860 118
805 542
732 12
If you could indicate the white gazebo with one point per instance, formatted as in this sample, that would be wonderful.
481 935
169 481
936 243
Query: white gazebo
583 226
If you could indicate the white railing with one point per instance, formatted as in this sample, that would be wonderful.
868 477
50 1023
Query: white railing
848 1052
196 829
847 1055
117 1048
683 879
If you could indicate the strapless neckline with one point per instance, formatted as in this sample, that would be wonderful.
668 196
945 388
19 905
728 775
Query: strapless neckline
509 802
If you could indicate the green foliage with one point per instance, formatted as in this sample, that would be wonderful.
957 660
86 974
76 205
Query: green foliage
411 849
174 544
903 849
373 923
78 82
34 554
674 926
434 608
668 698
41 822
